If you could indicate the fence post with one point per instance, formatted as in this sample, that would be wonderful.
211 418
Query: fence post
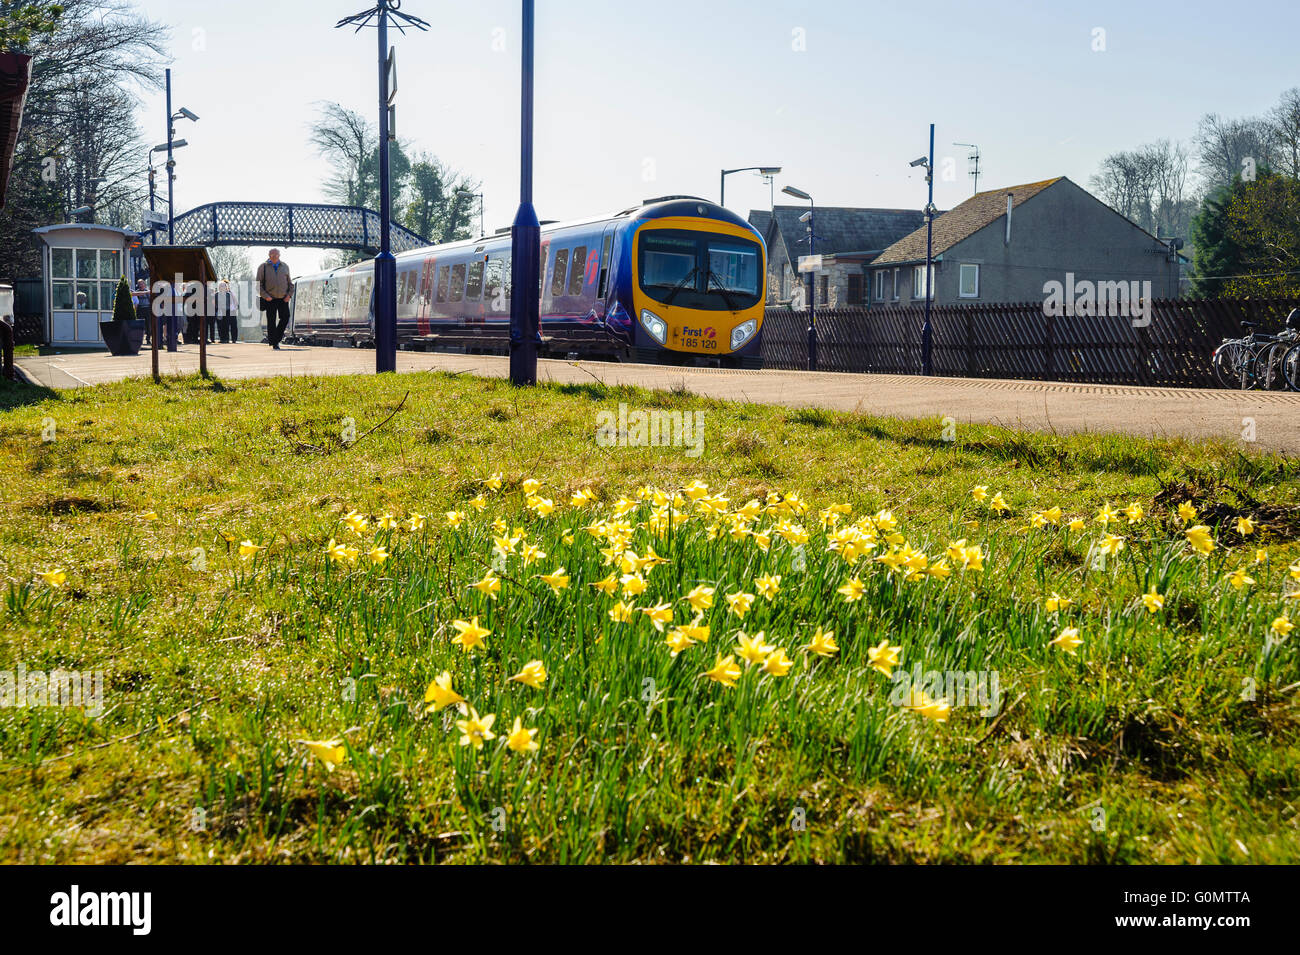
1049 342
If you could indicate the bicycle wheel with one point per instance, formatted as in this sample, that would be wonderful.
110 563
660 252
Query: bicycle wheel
1227 363
1291 367
1267 370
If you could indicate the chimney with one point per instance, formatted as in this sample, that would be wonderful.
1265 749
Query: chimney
1007 240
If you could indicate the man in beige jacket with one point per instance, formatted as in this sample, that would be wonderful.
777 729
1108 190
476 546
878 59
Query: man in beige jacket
276 288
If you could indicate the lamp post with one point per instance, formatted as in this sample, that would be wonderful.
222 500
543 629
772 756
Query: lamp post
172 145
385 262
812 276
927 332
762 170
526 232
462 191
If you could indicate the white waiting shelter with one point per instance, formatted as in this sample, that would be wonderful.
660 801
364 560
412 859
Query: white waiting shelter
81 264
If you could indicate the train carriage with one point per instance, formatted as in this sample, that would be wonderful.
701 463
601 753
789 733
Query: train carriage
673 280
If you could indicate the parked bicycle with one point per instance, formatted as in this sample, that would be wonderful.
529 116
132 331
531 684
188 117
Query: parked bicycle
1261 360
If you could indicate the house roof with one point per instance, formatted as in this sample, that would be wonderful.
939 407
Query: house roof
962 221
15 76
839 229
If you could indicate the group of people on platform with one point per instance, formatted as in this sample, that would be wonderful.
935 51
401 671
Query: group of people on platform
274 288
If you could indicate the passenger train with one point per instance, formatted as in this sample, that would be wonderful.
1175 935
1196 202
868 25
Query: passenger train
673 280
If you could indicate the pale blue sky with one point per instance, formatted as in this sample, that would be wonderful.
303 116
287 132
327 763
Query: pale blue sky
682 88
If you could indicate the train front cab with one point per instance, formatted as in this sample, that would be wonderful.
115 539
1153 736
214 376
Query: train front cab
698 287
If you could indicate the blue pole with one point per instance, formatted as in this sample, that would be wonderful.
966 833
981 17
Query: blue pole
927 333
525 234
812 288
171 164
385 263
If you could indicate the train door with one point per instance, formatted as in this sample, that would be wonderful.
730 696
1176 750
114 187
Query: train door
604 290
426 294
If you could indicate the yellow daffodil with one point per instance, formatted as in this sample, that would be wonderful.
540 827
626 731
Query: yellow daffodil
1056 602
1240 579
1152 600
521 740
455 518
330 752
607 585
660 615
531 486
883 657
1186 512
752 649
768 586
852 589
476 730
634 585
557 579
387 522
1200 539
701 597
1245 526
739 603
440 694
54 578
1281 626
1133 512
1067 640
493 483
1261 555
415 522
377 554
356 521
1107 514
469 634
533 674
777 663
998 504
621 612
979 492
489 586
247 548
725 671
822 643
1111 544
1077 524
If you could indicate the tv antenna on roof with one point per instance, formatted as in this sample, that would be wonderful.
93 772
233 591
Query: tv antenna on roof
974 158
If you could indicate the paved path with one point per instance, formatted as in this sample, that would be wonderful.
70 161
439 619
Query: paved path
1272 418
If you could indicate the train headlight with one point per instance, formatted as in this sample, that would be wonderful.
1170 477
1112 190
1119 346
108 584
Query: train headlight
655 325
743 333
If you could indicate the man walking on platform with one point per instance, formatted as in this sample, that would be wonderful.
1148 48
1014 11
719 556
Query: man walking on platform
275 288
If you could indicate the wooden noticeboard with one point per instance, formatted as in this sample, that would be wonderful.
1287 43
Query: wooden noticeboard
191 264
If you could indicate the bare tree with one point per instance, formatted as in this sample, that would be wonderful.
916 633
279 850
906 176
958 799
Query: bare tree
1230 147
1285 120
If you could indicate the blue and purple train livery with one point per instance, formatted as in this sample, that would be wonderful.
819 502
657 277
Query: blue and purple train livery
672 280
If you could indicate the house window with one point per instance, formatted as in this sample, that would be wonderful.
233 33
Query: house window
920 288
968 285
880 286
823 291
855 289
895 285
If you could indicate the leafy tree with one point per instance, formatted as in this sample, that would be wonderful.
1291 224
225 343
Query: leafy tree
19 22
1247 238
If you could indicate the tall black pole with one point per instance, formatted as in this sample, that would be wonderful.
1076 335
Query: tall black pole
927 333
171 165
525 234
385 263
812 288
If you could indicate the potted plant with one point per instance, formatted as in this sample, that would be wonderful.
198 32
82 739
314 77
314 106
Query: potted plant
125 333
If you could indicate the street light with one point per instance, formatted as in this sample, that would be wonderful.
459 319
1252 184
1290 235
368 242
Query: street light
171 145
927 333
768 171
812 276
385 262
462 191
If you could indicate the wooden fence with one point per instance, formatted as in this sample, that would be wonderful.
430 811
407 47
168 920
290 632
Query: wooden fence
1019 341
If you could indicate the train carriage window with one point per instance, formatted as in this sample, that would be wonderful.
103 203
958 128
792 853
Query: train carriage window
561 271
474 290
577 269
604 264
492 286
457 282
443 282
330 294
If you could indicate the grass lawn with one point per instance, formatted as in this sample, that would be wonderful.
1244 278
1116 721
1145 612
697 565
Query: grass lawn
270 643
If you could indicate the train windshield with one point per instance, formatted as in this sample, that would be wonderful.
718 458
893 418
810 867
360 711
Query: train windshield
700 269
